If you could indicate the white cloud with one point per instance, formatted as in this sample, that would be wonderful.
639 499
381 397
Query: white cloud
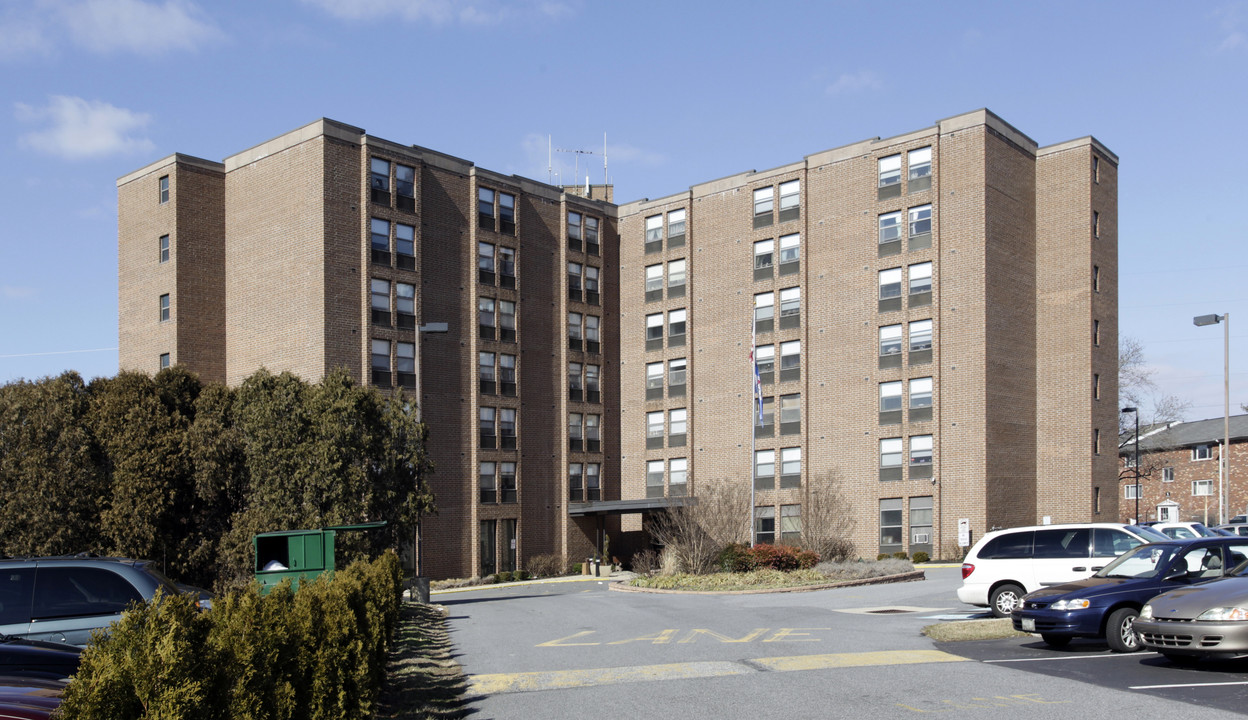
146 28
854 82
441 12
77 129
16 292
1230 36
22 36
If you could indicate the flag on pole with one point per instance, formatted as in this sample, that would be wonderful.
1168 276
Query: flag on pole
758 384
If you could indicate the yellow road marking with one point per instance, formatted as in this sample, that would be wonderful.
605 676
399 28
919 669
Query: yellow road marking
496 683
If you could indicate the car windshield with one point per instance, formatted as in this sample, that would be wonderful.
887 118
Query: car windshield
1204 531
1145 561
1148 533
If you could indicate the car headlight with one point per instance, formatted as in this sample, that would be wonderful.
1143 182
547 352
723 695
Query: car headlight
1079 604
1146 613
1224 613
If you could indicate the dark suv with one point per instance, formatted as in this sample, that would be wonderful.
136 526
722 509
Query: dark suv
63 599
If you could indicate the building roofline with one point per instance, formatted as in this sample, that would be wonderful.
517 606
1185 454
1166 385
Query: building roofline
169 161
1080 142
317 128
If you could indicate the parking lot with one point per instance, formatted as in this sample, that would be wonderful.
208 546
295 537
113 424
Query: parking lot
562 650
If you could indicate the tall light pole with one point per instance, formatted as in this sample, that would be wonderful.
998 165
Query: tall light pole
1224 458
1136 442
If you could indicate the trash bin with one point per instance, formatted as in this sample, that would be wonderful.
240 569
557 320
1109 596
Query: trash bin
297 555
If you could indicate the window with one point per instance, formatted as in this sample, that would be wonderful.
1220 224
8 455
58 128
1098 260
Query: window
921 450
164 248
654 430
920 220
1096 332
164 307
920 335
506 267
764 201
574 381
506 213
485 263
678 477
1202 488
574 431
676 327
591 235
1096 386
486 425
654 282
920 521
677 278
764 469
890 227
575 482
591 285
1096 441
380 302
890 285
890 340
485 368
485 208
790 524
1132 491
654 233
1096 169
592 338
379 180
1096 278
405 363
765 362
676 377
164 360
790 200
487 545
574 331
920 278
767 428
920 399
889 170
791 467
891 511
763 259
890 453
507 374
790 307
379 234
919 163
485 317
790 361
507 428
405 187
574 281
488 482
1200 452
405 305
654 331
593 439
381 363
574 230
592 389
764 525
890 402
164 189
1096 224
654 381
676 228
593 489
790 414
654 479
764 312
405 246
678 427
790 253
1167 474
507 482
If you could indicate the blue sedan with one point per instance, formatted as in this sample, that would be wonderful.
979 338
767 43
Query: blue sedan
1106 604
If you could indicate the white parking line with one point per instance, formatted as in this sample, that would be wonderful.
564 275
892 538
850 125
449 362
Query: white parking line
1073 657
1184 685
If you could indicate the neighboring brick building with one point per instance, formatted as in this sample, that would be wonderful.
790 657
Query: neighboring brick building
1180 465
939 310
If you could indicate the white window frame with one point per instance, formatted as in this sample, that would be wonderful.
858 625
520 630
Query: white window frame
917 331
890 283
892 452
1202 452
920 450
889 169
654 277
790 248
764 306
890 395
790 194
764 254
676 274
920 219
791 302
764 200
654 229
920 388
1202 488
919 162
890 340
920 277
890 227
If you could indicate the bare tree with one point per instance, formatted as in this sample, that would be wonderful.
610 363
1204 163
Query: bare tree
695 532
1137 388
829 521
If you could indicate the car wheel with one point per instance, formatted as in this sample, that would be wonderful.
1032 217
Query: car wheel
1056 641
1004 599
1120 631
1184 660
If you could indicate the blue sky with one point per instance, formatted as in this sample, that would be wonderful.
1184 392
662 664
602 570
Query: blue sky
684 91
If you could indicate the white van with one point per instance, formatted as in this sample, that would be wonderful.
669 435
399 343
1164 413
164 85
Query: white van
1007 564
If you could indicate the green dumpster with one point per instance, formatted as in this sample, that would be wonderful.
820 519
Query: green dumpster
297 554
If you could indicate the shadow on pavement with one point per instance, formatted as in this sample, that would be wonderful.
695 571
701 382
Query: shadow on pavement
422 678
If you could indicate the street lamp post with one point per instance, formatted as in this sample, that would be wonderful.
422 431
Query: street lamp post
1135 440
1224 459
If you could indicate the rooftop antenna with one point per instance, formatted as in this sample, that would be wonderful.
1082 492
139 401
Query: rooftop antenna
549 173
577 163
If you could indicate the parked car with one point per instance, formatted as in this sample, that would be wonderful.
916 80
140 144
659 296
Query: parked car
26 698
63 599
1239 520
1006 564
1239 529
1203 621
1106 604
1183 530
20 657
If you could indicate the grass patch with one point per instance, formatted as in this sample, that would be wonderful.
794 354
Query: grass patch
422 679
767 579
994 629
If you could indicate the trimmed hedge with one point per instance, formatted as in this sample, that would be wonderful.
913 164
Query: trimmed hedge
319 653
739 557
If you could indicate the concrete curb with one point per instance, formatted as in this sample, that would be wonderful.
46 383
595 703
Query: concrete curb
542 581
913 576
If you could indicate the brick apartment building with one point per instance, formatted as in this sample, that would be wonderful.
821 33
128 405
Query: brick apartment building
935 317
1180 465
